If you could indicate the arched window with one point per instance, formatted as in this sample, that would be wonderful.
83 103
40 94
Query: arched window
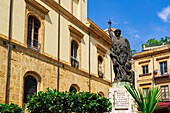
74 57
101 94
72 89
30 87
33 32
100 67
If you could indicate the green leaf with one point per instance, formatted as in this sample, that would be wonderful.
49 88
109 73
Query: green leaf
146 102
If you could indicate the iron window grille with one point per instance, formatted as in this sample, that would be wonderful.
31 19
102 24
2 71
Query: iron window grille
74 63
30 87
163 68
33 34
164 92
74 49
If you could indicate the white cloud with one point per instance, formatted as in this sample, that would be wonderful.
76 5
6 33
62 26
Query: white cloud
165 14
118 23
115 23
136 36
132 32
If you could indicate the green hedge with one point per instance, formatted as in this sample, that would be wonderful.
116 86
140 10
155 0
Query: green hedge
52 101
12 108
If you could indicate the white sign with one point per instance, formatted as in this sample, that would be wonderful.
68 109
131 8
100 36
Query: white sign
121 100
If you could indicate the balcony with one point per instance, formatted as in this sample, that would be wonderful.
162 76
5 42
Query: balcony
34 46
74 63
100 74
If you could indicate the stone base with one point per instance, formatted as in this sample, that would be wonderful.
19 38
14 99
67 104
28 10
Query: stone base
121 100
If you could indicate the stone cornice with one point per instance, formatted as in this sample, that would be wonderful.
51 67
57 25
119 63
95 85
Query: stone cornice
101 49
75 31
95 30
161 58
37 6
49 59
99 32
152 52
146 61
56 7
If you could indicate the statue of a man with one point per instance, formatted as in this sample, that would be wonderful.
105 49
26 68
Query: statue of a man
120 54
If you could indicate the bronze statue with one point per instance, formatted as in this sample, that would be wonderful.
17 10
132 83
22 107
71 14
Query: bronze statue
120 54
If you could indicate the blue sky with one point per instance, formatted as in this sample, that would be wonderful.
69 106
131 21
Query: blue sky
139 20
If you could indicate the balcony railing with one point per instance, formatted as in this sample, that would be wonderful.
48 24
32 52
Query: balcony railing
100 74
34 46
74 63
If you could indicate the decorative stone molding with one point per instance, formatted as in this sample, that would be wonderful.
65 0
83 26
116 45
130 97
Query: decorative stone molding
146 61
36 6
161 58
35 9
75 33
101 50
148 74
95 31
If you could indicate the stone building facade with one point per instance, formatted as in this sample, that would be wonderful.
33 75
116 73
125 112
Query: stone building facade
152 67
51 43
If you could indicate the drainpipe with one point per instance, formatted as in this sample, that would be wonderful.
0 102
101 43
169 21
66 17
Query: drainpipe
58 73
153 73
9 54
89 66
135 78
111 70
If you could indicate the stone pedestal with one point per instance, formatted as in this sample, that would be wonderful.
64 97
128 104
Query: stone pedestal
121 100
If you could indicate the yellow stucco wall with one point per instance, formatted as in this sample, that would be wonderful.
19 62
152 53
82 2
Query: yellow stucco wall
43 65
93 56
51 34
152 58
4 18
18 20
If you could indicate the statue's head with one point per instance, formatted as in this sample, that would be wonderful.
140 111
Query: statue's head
117 32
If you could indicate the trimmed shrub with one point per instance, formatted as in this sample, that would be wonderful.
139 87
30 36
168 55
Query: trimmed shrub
12 108
52 101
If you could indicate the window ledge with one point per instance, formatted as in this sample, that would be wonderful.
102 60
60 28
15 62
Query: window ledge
147 74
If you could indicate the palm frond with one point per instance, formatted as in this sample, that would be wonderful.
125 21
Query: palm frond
146 102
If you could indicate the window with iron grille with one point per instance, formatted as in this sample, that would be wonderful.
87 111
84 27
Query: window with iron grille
100 67
33 33
72 89
30 87
163 68
74 57
145 69
164 92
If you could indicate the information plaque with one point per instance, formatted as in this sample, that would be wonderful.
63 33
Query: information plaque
121 100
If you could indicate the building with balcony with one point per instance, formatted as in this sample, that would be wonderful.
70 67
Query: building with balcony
152 67
51 43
